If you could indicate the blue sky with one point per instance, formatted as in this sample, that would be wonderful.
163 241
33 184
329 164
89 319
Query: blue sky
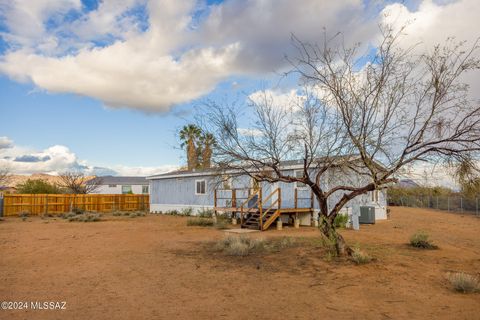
92 84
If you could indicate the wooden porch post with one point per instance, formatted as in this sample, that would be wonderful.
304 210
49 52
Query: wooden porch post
215 202
234 198
296 198
260 208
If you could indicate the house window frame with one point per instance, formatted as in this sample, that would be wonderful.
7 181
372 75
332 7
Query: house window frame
205 187
127 185
143 189
296 182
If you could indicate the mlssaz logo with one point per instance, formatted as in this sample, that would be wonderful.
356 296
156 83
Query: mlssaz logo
48 305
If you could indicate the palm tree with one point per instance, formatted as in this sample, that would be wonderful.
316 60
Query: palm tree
189 135
207 142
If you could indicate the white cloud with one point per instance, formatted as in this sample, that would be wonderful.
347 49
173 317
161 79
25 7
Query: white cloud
171 62
287 100
5 143
58 158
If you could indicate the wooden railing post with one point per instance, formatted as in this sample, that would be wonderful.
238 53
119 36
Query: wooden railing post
234 198
260 207
296 198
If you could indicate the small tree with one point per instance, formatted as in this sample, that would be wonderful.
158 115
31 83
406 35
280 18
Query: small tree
399 109
4 176
77 183
38 186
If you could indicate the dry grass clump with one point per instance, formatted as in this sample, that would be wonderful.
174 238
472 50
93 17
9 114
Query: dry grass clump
129 214
84 217
464 282
200 222
360 257
243 245
239 245
420 240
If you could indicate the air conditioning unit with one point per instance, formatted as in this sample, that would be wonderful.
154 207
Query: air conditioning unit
367 215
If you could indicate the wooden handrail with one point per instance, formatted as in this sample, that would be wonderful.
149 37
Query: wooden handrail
270 208
271 194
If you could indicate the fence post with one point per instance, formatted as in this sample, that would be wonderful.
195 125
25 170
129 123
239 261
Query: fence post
461 204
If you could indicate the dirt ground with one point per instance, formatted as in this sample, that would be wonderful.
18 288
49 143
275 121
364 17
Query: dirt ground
156 267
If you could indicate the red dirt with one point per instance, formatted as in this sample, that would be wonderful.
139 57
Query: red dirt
158 268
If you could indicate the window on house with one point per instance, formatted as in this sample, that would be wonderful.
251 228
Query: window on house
299 174
200 187
144 189
126 189
112 185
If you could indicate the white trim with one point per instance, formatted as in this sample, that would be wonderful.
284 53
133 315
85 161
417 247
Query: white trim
205 182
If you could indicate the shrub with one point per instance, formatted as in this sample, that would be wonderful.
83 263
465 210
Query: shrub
239 245
171 212
38 186
78 211
420 240
201 222
24 214
136 214
85 217
360 257
186 212
341 221
205 213
463 282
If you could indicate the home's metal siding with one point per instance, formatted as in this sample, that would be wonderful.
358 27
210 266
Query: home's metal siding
181 191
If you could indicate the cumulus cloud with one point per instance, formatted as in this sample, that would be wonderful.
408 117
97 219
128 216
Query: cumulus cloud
5 143
175 59
58 158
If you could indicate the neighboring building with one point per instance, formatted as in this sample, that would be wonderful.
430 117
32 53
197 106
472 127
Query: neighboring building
227 191
121 185
407 183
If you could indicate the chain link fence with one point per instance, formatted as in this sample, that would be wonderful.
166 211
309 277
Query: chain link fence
447 203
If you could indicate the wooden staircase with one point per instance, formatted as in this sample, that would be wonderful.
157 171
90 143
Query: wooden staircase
257 217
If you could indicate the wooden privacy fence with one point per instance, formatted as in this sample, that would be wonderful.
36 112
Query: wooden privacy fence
39 204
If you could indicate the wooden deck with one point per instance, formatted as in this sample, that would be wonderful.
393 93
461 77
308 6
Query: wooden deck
257 211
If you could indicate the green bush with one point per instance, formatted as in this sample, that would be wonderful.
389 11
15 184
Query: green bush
186 212
38 186
420 240
341 221
205 213
200 222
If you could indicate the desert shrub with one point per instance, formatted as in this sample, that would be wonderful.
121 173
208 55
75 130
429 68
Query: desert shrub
341 221
221 224
136 214
463 282
78 211
360 257
205 213
186 212
23 214
201 222
420 240
239 245
85 217
172 212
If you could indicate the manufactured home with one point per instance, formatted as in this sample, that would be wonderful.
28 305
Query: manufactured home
247 199
120 185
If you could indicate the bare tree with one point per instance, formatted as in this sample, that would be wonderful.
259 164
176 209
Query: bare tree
77 183
376 120
4 176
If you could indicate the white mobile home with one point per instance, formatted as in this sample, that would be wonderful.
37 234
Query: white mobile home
242 195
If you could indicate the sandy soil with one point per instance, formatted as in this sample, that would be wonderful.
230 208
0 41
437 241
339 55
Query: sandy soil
158 268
